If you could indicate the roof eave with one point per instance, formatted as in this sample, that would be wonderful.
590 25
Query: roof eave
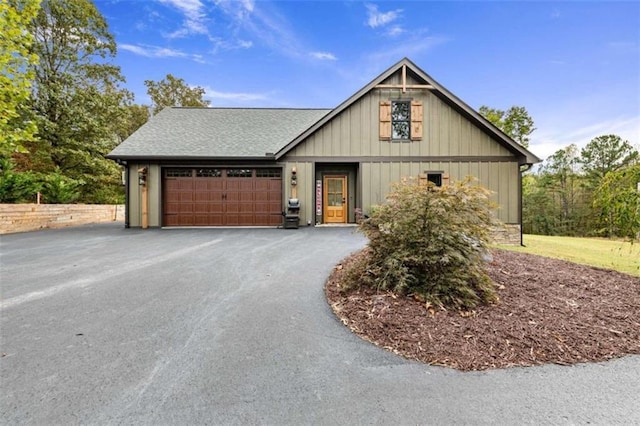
270 157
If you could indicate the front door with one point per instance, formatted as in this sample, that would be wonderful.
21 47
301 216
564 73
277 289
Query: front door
335 199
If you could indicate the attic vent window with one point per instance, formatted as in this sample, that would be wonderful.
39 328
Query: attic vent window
435 178
400 120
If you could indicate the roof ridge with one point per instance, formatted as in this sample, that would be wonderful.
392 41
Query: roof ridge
252 108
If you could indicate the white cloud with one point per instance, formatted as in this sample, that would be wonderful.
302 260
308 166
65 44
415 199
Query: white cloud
395 30
410 47
324 56
249 5
195 18
239 10
265 24
152 51
544 144
380 19
227 44
159 52
234 97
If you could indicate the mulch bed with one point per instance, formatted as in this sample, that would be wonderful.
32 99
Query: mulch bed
550 311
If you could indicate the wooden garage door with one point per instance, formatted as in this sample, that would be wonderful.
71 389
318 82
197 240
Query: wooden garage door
219 197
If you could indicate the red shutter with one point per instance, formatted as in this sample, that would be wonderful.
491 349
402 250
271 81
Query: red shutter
385 120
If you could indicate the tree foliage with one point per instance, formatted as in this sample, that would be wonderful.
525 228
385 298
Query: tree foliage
17 187
16 74
172 91
618 197
515 122
137 115
584 194
77 97
430 242
60 189
605 154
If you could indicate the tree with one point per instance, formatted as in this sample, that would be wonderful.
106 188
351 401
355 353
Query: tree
618 196
16 74
172 91
515 122
137 115
76 96
605 154
560 178
538 206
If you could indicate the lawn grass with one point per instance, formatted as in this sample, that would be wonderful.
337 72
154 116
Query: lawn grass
603 253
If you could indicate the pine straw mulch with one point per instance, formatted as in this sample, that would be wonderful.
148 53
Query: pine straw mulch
550 311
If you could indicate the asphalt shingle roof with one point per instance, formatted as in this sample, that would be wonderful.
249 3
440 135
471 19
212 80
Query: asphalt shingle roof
217 132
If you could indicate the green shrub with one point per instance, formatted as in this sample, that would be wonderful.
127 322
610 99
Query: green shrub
430 242
60 189
16 187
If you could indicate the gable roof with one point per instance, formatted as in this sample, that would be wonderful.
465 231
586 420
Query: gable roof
224 133
526 156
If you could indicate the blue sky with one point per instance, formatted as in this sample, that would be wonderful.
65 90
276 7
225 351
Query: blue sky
574 65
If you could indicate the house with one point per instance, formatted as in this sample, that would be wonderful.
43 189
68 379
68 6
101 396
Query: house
240 166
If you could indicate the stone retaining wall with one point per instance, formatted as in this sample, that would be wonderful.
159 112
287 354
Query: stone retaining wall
30 217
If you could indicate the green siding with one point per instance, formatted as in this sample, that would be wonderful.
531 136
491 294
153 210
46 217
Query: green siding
499 177
154 186
354 132
353 136
305 186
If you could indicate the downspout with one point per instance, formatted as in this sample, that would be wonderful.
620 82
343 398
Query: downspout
126 195
523 168
126 192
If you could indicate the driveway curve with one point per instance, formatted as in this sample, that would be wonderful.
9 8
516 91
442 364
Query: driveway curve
105 325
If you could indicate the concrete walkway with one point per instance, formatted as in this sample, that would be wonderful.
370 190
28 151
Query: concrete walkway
105 325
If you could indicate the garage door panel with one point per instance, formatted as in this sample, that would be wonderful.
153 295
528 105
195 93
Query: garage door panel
201 220
185 208
275 185
185 197
201 208
262 185
216 220
201 197
215 185
217 208
246 208
214 197
246 219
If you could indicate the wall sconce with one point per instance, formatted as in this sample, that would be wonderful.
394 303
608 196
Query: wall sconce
142 176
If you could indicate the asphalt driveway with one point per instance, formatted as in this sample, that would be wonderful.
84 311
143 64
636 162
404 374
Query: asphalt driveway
106 325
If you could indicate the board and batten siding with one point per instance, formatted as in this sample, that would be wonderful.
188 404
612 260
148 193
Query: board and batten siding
499 177
354 132
154 188
353 137
305 189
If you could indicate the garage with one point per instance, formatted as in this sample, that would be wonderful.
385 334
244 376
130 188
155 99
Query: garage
222 196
